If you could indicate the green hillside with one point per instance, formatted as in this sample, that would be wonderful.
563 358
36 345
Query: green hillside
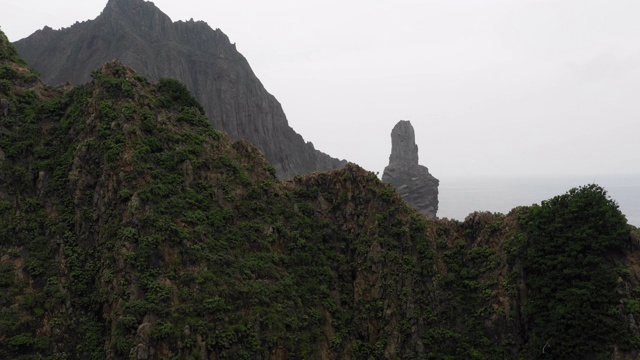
131 229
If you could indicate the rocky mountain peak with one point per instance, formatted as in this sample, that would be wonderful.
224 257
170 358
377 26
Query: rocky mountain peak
203 59
128 7
403 144
411 180
139 17
114 4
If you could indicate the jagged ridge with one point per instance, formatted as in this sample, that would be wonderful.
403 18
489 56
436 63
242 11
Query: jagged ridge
141 36
129 227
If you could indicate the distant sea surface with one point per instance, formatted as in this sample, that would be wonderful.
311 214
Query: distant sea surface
458 197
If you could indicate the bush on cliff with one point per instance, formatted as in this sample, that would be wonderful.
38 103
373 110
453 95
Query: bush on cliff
572 285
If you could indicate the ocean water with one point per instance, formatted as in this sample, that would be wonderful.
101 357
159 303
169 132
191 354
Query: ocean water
460 196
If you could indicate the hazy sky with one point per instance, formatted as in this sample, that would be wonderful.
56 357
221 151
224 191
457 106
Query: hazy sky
513 87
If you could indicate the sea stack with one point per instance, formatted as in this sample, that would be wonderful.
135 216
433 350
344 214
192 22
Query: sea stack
411 180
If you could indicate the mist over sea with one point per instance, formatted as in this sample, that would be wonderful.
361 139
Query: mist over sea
460 196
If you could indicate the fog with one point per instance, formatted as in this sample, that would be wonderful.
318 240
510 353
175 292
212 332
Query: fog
504 88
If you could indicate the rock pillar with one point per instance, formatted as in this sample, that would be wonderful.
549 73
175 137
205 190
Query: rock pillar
411 180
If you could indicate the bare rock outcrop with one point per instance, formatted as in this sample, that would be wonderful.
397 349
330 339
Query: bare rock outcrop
220 78
411 180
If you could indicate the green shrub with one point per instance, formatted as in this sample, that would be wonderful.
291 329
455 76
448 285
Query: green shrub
21 340
174 95
5 86
571 284
6 274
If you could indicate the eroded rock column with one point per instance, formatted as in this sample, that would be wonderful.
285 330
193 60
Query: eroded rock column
411 180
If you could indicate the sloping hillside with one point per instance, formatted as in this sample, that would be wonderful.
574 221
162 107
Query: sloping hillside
130 228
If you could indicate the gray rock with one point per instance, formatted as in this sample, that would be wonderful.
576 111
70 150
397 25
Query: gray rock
410 179
220 78
4 107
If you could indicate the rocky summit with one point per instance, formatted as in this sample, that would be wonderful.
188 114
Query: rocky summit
411 180
220 78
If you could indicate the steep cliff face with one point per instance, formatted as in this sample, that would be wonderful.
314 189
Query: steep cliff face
130 228
411 180
141 36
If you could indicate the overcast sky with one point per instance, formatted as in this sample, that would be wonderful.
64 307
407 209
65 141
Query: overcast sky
513 87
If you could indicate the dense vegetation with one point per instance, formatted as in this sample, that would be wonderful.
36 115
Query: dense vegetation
572 280
130 228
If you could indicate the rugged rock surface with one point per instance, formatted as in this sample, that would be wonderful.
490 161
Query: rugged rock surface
130 228
411 180
141 36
